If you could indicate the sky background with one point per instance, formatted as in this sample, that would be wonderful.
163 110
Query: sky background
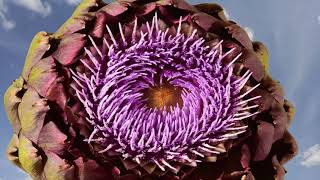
289 28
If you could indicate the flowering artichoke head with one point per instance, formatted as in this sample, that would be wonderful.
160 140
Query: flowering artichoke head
144 89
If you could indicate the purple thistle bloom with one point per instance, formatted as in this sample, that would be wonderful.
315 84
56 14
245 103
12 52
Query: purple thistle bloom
162 98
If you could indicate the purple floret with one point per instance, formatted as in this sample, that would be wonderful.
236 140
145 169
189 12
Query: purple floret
209 107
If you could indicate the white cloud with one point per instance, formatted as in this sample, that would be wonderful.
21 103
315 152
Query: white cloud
318 18
37 6
250 33
311 157
73 2
6 23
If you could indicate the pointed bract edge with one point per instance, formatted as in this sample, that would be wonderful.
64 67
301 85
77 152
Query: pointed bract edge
69 48
263 141
29 157
280 171
99 25
13 149
290 109
78 19
275 88
32 111
184 5
213 9
42 75
253 63
239 34
248 176
209 23
12 101
58 169
291 149
114 8
263 54
57 94
38 47
245 156
52 139
266 100
146 8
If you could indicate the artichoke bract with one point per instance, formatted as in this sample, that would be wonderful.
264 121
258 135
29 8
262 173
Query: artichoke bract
142 89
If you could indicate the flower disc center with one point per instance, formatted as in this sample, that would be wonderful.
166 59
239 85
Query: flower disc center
164 96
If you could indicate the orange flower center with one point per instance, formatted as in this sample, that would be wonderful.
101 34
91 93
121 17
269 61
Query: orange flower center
164 96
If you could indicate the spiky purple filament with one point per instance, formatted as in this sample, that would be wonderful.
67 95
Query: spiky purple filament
113 96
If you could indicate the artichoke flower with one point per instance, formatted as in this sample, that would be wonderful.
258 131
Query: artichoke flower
146 89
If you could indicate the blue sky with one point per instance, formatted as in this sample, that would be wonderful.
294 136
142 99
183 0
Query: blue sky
289 28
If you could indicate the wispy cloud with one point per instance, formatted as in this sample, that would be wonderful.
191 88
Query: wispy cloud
311 157
6 23
73 2
38 6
